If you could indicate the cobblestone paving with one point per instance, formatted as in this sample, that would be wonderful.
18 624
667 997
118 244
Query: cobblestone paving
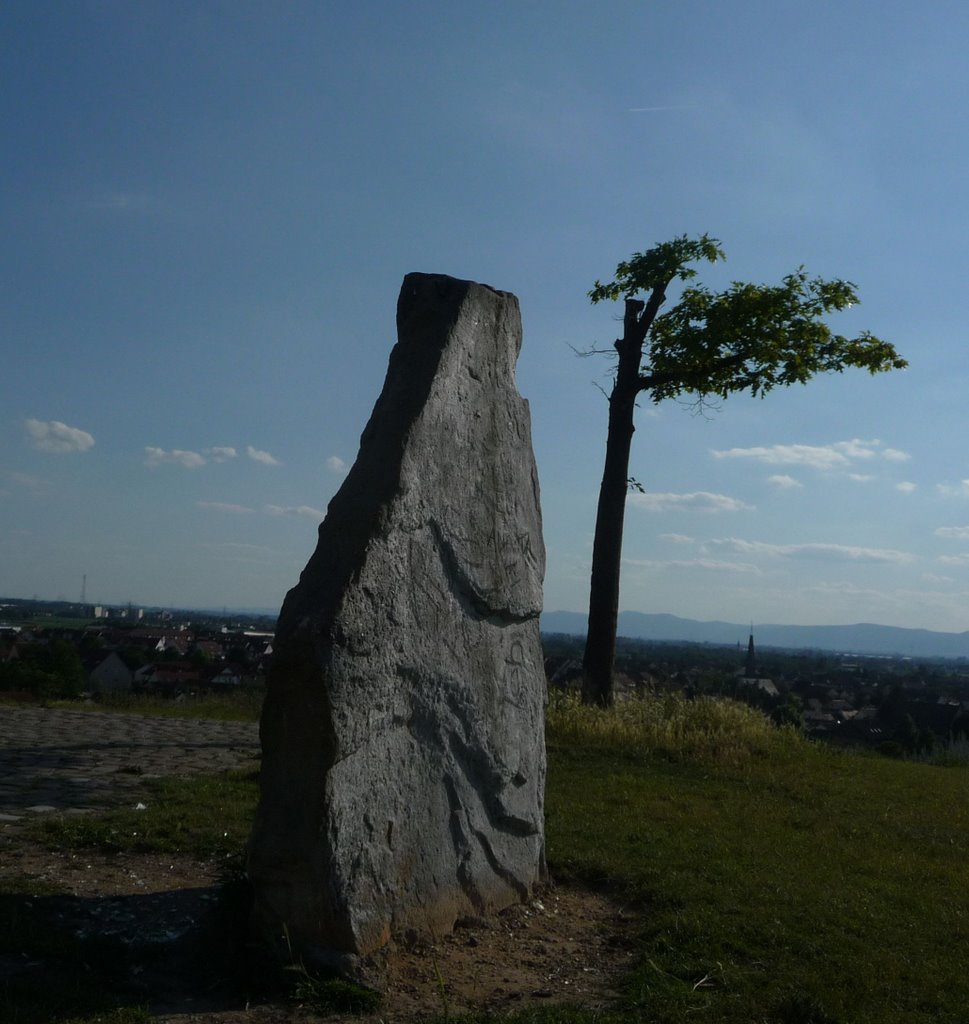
84 760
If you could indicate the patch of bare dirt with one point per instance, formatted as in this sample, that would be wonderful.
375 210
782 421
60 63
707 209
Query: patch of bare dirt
566 945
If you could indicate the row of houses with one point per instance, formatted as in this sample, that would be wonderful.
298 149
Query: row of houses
110 674
106 658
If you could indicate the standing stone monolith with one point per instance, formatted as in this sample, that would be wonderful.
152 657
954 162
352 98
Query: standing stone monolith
403 767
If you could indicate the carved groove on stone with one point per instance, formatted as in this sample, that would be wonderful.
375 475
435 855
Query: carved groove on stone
465 590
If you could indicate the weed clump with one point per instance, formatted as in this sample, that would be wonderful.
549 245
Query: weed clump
715 730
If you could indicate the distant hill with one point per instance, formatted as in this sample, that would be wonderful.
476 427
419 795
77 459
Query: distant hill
862 638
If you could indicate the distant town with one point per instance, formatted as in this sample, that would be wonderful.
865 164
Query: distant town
897 705
901 706
57 649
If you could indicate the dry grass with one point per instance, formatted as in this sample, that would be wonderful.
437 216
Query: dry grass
709 729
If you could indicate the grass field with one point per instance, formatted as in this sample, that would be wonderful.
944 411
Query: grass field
780 881
794 884
241 705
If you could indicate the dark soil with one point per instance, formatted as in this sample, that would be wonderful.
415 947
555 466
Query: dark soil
171 934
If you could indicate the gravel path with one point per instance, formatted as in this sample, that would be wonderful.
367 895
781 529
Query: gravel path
77 761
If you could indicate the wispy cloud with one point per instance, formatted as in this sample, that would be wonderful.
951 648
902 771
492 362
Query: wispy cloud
960 490
295 510
304 511
118 201
653 110
57 437
253 549
789 455
784 482
336 464
953 559
705 564
839 455
192 460
177 457
861 478
224 506
676 538
906 487
33 485
698 501
822 552
952 532
260 456
221 453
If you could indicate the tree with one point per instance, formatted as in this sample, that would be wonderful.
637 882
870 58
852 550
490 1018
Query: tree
710 344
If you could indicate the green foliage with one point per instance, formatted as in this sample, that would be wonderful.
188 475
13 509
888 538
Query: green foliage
45 670
119 1015
747 338
658 266
789 712
327 994
755 338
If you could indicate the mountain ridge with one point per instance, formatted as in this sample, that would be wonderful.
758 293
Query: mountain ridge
859 638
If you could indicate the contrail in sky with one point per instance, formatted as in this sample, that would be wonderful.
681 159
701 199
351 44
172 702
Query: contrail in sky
646 110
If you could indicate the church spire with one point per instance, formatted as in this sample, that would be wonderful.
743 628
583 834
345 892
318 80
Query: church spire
750 669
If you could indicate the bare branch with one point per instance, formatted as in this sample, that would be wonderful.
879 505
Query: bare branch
584 353
701 405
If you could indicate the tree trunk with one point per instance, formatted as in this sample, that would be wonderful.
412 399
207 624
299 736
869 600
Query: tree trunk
600 644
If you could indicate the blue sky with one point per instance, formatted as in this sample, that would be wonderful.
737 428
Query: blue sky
208 208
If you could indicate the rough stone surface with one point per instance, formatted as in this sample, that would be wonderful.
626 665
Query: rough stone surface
403 731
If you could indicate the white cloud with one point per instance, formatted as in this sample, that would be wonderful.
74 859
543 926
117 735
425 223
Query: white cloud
178 457
953 559
784 481
676 538
906 487
232 546
259 456
788 455
698 501
33 485
223 506
930 577
856 448
838 455
336 464
706 564
825 552
953 532
961 491
861 478
118 201
221 454
297 510
54 436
